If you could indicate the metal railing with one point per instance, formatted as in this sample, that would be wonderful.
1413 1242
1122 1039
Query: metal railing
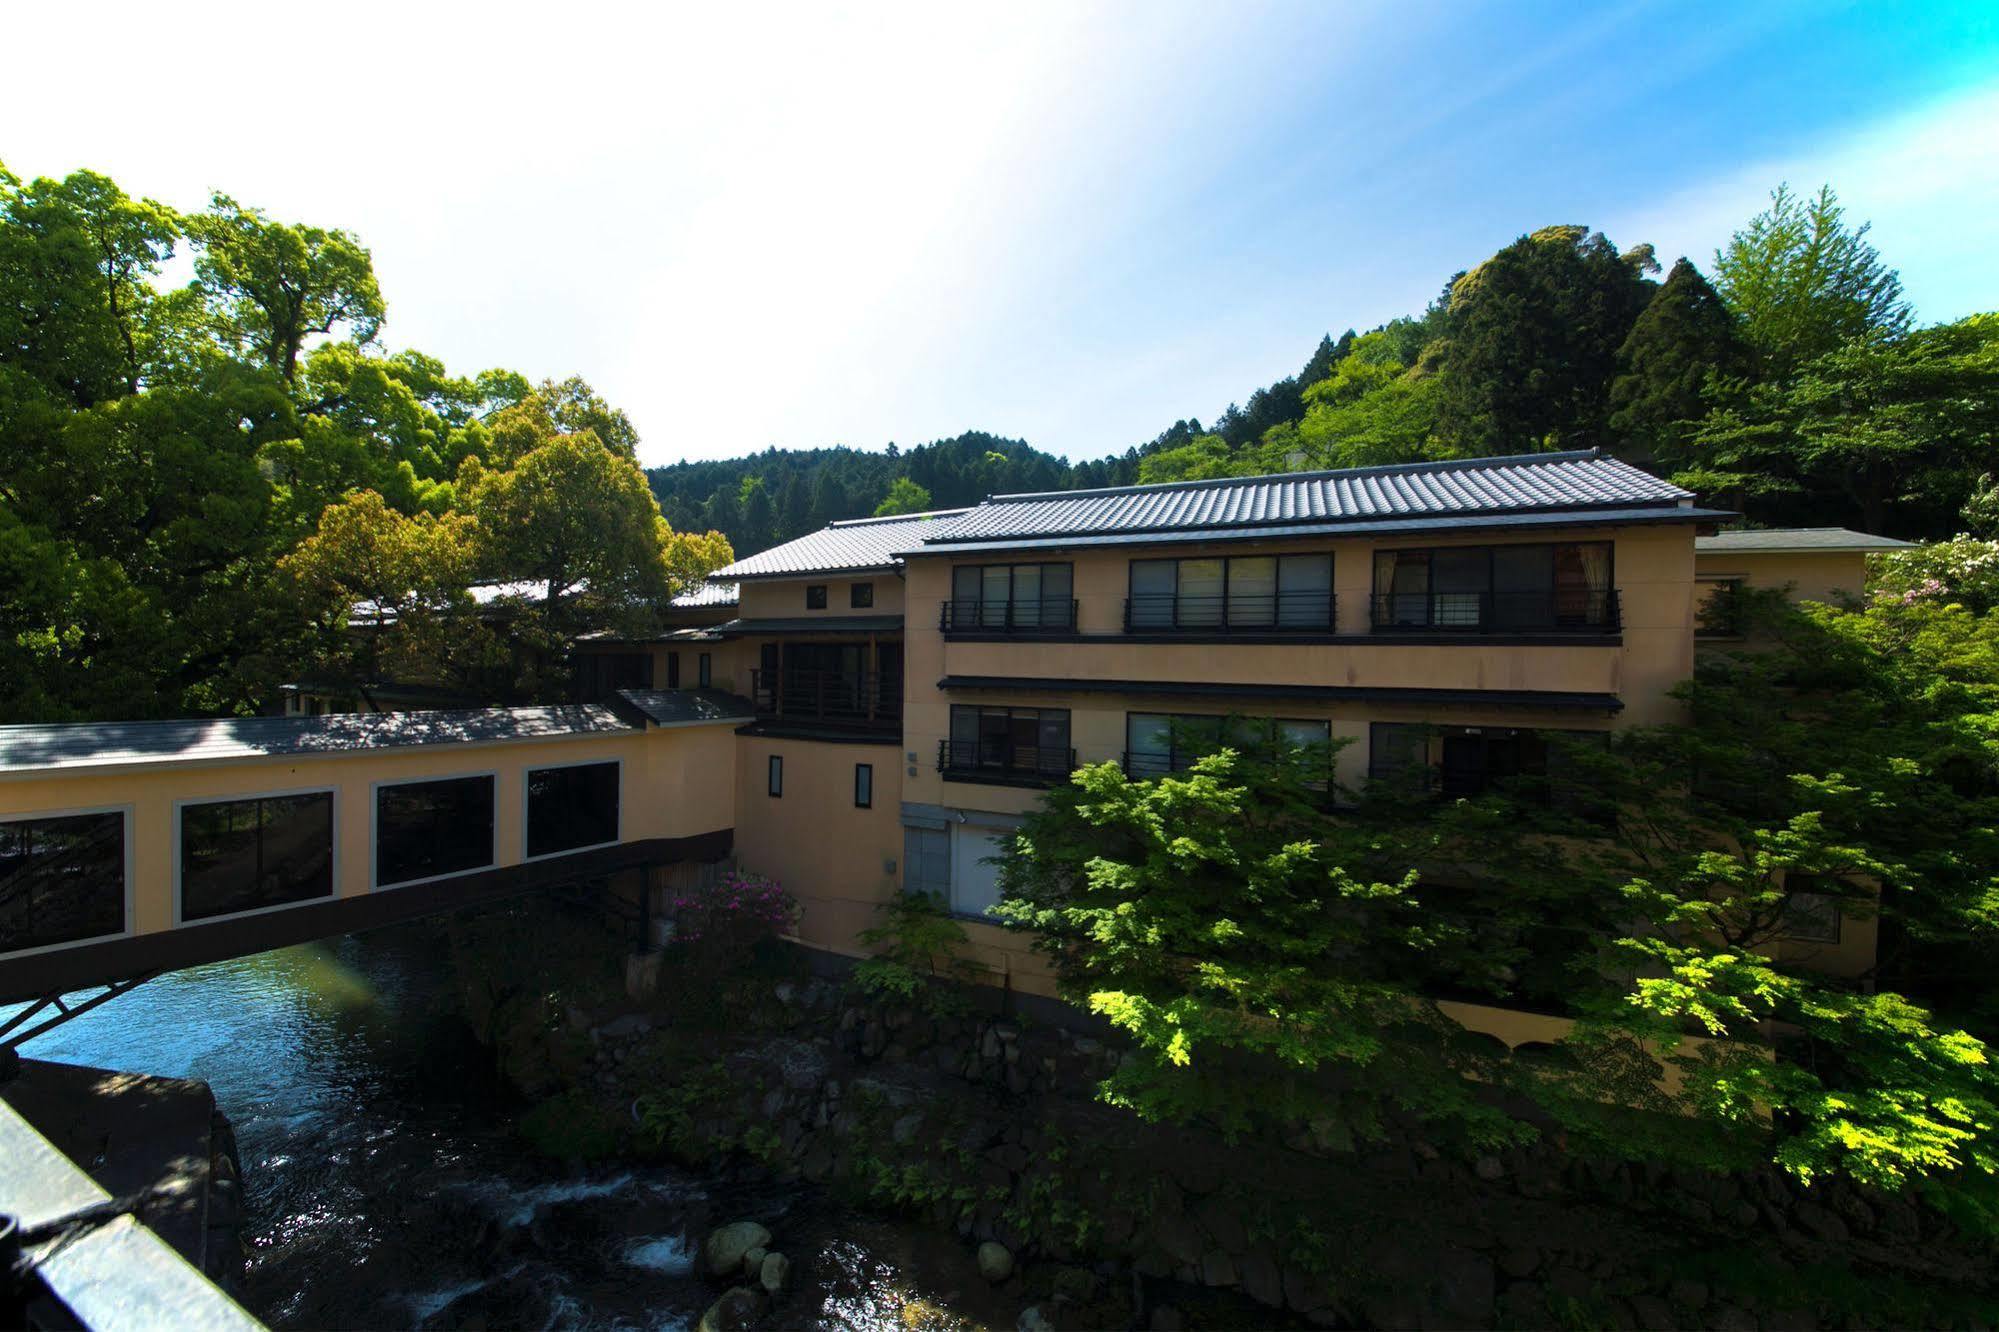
1258 612
1140 764
860 697
1556 610
1008 616
999 758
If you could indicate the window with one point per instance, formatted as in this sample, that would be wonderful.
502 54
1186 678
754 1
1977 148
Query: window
776 774
1011 597
926 862
62 879
673 670
1398 751
1257 592
1008 743
864 786
246 855
975 853
860 596
1565 586
815 596
1466 761
1158 743
425 830
572 807
706 669
1811 914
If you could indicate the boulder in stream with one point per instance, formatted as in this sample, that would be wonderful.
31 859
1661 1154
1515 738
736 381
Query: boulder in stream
723 1252
995 1261
738 1309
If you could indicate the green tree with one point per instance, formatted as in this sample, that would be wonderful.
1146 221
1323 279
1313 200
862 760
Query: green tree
271 286
759 514
1803 283
904 496
1685 335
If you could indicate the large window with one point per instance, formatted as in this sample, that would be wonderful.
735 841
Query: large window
1466 588
1465 761
1011 598
1157 743
1254 592
1013 743
246 855
425 830
572 807
62 879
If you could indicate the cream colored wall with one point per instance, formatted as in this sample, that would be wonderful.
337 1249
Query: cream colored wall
1810 575
785 597
834 858
669 791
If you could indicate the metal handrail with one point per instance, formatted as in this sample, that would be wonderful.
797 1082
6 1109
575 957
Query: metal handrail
1001 758
1553 609
834 695
1260 612
1007 615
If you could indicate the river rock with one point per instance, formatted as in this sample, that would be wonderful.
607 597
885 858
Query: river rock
753 1261
995 1261
737 1310
725 1247
775 1272
1033 1320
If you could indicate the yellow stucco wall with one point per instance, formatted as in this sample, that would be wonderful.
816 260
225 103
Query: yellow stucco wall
1811 575
667 792
785 597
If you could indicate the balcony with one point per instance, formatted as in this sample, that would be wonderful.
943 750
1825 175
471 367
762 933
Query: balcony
862 701
1536 611
1003 763
962 615
1306 612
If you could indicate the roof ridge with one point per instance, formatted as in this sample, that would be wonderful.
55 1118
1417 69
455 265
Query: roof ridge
893 518
1379 469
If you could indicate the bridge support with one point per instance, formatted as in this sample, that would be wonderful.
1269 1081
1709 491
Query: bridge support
17 1031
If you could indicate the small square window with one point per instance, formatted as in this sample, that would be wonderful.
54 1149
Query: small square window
777 774
861 595
815 596
864 786
1810 917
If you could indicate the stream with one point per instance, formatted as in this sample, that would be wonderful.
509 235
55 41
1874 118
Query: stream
387 1188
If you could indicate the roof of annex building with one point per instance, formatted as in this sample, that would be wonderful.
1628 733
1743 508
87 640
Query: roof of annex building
853 546
29 749
1792 540
709 594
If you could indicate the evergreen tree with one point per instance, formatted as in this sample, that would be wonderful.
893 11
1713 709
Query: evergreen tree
1684 335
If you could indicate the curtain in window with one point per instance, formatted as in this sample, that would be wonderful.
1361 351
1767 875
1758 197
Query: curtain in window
1152 589
1253 591
1200 589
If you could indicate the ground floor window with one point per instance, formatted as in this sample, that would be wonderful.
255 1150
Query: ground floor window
424 830
62 879
864 786
246 855
572 807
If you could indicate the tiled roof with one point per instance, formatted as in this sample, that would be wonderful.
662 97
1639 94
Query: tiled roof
1524 484
34 748
710 594
1774 539
859 545
689 707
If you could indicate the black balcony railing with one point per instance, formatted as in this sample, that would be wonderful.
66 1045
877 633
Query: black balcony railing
1003 760
1554 610
1045 615
1141 764
863 698
1222 613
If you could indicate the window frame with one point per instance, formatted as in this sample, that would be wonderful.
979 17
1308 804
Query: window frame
774 776
815 596
1176 718
180 916
704 671
375 789
1484 625
1006 626
1726 586
1820 893
1008 772
864 777
1223 625
527 806
861 595
128 897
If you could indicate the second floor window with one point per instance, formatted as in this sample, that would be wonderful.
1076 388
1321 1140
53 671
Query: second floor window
860 596
1011 597
815 596
1158 743
1014 742
1563 586
1233 593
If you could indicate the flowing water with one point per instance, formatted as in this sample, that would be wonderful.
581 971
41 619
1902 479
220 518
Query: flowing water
387 1188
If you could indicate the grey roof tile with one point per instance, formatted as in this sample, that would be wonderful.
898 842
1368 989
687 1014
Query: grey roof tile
858 545
709 594
36 748
683 707
1790 539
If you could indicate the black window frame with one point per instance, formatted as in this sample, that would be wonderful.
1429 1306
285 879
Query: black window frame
1600 613
860 596
1437 780
617 807
120 853
1225 622
673 670
704 673
376 843
974 757
774 776
815 596
975 614
1811 891
262 806
864 786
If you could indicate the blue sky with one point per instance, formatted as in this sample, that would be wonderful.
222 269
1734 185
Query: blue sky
1069 223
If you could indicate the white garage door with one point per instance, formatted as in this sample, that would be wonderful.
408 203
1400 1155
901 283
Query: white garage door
974 882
